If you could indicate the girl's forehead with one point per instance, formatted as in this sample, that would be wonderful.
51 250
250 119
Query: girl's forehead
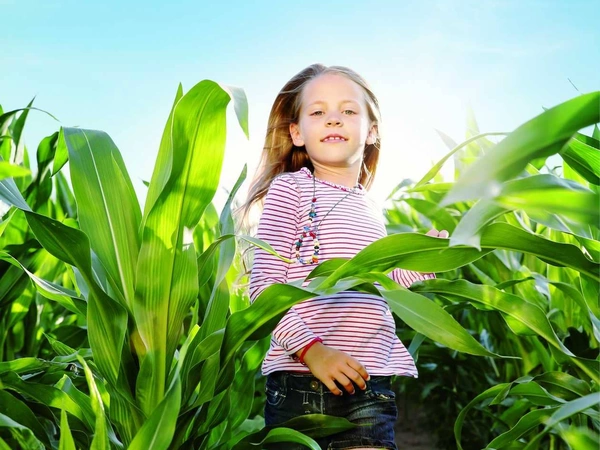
331 87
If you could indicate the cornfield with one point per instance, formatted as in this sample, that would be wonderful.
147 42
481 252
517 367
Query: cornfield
125 328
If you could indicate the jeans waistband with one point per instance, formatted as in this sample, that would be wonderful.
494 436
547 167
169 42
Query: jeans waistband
307 381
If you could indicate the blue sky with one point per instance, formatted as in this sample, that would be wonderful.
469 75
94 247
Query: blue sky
115 66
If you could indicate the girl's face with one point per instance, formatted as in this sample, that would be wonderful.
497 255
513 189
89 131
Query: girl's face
334 123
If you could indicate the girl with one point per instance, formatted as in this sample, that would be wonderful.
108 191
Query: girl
333 354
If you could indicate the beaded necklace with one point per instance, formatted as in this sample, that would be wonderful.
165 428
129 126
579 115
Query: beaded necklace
313 230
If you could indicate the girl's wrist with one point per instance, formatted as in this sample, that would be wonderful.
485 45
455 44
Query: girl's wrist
303 352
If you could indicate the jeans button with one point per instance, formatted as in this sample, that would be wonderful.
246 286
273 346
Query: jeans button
314 385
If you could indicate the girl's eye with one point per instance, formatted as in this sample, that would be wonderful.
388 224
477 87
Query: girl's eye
349 112
316 113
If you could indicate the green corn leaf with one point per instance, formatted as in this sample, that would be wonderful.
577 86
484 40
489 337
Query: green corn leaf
428 254
440 188
580 206
485 395
66 438
218 304
164 161
25 365
417 311
563 385
10 194
216 417
47 395
17 134
536 394
65 197
583 155
209 375
311 425
542 136
158 430
186 178
580 438
4 445
535 194
107 320
244 382
528 422
108 209
407 250
8 170
438 216
281 434
429 319
590 307
508 237
21 434
260 319
564 412
197 351
438 166
590 401
65 297
218 307
65 384
15 409
101 440
527 313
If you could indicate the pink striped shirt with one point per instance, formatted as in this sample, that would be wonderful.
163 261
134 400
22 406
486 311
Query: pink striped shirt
356 323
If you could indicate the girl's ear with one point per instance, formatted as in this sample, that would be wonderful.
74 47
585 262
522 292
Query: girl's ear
373 134
295 134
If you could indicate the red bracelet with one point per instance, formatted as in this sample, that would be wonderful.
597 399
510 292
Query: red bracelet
305 349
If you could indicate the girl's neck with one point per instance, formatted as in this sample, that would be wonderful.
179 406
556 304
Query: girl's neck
344 176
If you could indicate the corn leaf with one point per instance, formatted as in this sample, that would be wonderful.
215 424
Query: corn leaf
564 412
21 434
157 432
191 155
15 409
100 440
66 438
260 319
108 210
542 136
526 313
535 194
582 153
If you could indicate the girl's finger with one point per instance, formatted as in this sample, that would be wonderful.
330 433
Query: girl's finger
362 372
332 387
433 232
443 234
356 378
342 379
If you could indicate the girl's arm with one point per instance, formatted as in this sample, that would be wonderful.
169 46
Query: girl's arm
278 226
408 277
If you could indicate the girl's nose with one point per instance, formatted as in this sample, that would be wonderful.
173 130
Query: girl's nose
334 121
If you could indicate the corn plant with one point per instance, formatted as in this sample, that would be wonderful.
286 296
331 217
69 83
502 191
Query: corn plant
527 297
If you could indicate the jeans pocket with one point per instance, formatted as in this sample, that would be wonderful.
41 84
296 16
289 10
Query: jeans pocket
381 391
275 393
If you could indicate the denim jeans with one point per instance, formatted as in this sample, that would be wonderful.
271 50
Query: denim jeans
291 395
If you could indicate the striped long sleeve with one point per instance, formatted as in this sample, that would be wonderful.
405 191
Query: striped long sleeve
356 323
278 225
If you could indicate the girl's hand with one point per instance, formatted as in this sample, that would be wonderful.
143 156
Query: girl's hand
436 233
330 365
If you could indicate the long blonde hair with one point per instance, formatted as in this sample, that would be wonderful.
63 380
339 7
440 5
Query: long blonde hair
280 155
